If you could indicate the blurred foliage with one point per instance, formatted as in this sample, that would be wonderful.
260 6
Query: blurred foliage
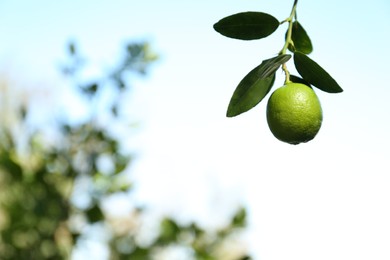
39 215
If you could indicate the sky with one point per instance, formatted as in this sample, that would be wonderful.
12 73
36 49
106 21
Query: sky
326 199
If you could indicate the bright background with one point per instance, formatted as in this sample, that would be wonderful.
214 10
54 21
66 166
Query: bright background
327 199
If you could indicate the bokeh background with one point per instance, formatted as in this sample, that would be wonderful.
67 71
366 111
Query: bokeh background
327 199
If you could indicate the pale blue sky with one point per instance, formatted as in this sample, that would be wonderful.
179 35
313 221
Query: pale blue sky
327 199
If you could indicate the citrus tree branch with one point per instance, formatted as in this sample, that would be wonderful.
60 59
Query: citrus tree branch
288 40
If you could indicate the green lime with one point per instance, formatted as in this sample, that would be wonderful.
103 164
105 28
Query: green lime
294 113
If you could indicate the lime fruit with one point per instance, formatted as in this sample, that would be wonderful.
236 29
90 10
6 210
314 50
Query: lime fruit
294 113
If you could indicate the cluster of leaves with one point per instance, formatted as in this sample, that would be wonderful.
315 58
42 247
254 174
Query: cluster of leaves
40 217
258 82
196 242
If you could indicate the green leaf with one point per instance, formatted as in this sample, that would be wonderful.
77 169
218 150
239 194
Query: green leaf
247 25
255 86
94 214
72 48
121 162
90 89
169 231
315 74
301 40
239 219
297 79
10 165
139 253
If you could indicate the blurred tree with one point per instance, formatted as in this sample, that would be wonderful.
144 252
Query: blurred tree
41 216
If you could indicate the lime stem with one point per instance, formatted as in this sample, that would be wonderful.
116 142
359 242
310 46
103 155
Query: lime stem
288 40
287 73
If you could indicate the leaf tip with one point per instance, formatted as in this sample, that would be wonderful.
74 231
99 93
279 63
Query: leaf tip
231 112
228 115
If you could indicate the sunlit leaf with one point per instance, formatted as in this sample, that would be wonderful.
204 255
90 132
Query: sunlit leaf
255 86
239 219
196 229
247 25
315 74
121 162
300 38
169 231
